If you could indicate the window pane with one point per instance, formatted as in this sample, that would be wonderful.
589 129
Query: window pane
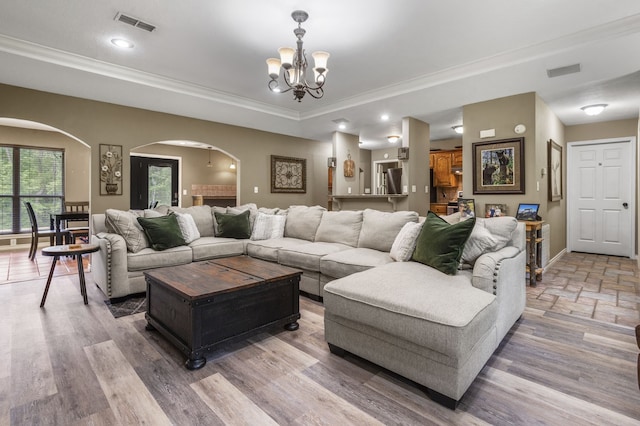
6 171
41 172
160 185
6 210
42 207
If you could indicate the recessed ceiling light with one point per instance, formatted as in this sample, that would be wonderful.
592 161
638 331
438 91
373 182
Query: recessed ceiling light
458 129
120 42
384 117
594 109
393 138
342 126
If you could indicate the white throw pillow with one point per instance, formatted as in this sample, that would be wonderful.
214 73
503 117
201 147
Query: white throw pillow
405 242
268 226
188 227
480 241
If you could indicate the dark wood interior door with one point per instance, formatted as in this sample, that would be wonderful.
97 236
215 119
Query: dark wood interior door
153 180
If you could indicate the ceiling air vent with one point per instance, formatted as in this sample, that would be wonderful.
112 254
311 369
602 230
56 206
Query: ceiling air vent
569 69
134 22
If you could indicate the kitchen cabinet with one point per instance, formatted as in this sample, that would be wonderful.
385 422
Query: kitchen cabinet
438 208
442 175
431 160
456 158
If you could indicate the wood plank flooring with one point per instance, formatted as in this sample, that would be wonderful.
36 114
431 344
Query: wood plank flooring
71 364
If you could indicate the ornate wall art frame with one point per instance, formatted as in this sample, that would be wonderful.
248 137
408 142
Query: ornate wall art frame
110 169
555 171
498 167
288 174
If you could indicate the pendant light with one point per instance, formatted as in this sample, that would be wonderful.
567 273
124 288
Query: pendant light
209 163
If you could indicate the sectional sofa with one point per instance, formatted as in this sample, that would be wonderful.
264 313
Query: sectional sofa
437 329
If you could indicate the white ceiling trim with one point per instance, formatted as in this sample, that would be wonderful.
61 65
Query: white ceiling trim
82 63
615 29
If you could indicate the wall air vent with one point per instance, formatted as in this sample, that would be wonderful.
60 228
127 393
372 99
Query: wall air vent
134 22
569 69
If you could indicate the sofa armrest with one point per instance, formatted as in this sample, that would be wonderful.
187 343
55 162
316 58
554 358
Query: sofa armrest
503 273
109 264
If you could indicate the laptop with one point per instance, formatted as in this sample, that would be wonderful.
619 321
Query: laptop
528 211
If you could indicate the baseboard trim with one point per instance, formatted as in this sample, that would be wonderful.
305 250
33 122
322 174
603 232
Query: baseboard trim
556 257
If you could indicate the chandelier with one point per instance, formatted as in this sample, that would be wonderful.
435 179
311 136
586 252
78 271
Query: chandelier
294 65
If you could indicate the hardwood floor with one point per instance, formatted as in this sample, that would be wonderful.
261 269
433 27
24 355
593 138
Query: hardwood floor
71 364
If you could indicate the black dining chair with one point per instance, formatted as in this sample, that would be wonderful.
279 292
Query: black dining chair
74 232
37 233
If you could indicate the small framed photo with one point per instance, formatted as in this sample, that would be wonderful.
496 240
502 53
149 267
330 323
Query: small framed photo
467 208
495 210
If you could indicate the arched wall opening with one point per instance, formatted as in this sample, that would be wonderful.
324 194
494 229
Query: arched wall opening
204 170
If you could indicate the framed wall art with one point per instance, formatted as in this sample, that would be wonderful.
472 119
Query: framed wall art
288 174
555 171
498 167
110 169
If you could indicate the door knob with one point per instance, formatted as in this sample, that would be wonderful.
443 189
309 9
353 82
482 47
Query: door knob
625 205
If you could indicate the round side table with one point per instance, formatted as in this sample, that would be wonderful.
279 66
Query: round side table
76 250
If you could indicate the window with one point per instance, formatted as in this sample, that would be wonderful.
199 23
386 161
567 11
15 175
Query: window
29 174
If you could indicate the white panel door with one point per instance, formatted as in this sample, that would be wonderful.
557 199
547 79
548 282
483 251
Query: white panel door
600 198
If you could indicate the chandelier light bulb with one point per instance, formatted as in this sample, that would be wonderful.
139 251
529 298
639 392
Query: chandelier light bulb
594 109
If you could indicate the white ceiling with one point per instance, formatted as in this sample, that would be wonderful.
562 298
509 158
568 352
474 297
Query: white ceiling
418 58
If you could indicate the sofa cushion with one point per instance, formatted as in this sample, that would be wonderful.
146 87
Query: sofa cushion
347 262
201 216
162 232
233 225
302 222
440 244
211 247
268 249
341 227
379 229
480 241
126 225
417 303
187 227
268 226
251 207
405 242
501 228
307 256
149 258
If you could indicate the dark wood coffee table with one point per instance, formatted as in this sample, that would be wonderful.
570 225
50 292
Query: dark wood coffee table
203 305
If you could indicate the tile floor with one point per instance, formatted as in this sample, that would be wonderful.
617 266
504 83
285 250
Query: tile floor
605 288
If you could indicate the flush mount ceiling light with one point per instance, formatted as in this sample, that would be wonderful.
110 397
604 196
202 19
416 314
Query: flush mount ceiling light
293 62
458 129
122 43
393 138
594 109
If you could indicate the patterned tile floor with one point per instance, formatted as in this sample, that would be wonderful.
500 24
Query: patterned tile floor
605 288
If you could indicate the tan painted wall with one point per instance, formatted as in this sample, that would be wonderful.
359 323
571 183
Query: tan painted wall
503 115
548 126
98 122
344 145
446 144
602 130
76 156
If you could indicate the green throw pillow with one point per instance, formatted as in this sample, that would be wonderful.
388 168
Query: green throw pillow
440 244
233 225
162 232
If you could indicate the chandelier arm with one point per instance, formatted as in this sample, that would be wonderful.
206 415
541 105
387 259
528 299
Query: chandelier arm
318 90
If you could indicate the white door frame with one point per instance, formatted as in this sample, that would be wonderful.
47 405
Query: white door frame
632 188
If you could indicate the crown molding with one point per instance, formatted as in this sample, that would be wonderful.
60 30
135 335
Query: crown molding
82 63
615 29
